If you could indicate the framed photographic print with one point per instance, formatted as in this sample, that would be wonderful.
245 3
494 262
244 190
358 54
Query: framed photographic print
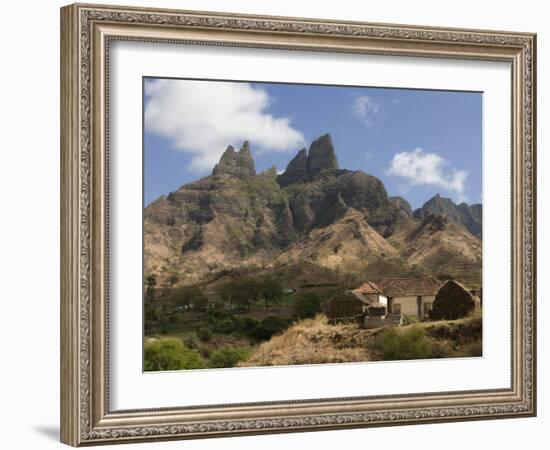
279 224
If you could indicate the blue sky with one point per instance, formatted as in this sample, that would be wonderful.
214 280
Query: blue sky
418 142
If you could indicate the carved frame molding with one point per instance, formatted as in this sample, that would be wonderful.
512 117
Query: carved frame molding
86 31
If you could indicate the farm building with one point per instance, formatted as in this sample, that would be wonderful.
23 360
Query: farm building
377 316
410 296
385 303
372 293
453 301
346 306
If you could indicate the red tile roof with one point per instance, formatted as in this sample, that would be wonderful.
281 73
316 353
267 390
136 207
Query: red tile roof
396 287
368 287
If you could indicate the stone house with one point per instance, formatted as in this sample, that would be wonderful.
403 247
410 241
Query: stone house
453 301
346 306
410 296
372 293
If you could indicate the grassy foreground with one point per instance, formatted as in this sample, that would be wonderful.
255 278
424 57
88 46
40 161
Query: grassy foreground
314 341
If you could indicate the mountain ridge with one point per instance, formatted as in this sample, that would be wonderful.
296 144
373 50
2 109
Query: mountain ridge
314 211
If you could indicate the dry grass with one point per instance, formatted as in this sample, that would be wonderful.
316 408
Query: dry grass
313 341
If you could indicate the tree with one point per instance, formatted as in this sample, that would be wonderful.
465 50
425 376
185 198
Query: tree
171 354
200 301
151 317
229 356
269 327
172 280
271 291
150 283
241 292
188 295
249 291
224 292
307 305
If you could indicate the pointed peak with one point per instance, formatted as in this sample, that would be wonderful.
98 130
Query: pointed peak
245 147
230 149
325 137
296 171
236 164
321 155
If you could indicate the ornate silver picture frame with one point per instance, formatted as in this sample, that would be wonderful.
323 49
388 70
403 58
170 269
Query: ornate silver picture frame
87 33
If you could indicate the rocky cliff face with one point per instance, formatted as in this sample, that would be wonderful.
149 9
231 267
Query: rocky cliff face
321 155
306 165
313 212
469 216
296 171
403 205
442 246
238 164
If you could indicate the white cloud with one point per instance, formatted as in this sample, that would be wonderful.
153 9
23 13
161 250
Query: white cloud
203 118
420 168
365 109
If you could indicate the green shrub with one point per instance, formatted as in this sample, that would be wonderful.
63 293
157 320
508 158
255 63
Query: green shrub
307 305
171 354
226 326
269 327
409 320
191 340
394 344
205 334
229 356
249 327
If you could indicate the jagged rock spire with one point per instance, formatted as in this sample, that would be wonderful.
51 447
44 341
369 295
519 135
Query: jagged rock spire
304 166
296 171
321 155
238 164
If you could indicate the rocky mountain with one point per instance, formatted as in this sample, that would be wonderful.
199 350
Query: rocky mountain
442 246
469 216
403 205
314 212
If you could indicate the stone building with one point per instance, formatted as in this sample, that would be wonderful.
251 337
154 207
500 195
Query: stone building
372 293
346 306
410 296
453 301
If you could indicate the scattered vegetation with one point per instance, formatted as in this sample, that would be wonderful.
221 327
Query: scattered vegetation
245 291
229 356
395 344
150 283
171 354
307 305
312 341
441 339
409 320
257 317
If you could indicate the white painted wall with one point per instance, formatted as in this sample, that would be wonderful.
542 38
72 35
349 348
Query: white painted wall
29 233
408 304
